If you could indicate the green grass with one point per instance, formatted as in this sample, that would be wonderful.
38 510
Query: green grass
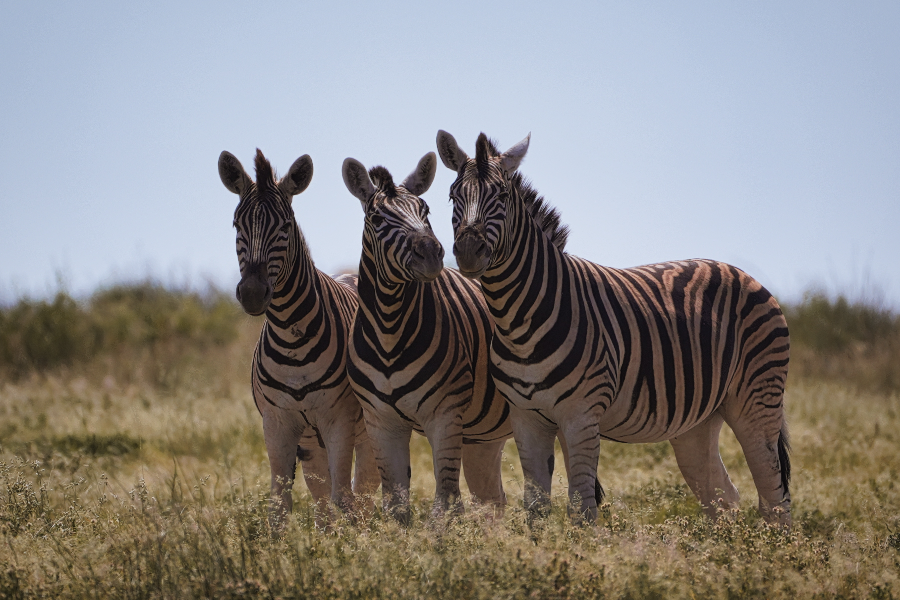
117 480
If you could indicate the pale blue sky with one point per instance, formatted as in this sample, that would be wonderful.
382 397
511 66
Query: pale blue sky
765 134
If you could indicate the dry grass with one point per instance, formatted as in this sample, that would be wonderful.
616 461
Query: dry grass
117 482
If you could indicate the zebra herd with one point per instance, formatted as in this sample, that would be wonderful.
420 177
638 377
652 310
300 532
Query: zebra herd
524 340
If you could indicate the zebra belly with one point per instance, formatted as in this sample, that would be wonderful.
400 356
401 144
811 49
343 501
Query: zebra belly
628 417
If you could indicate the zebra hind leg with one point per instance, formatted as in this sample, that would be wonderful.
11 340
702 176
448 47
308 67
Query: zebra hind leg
698 457
483 472
763 437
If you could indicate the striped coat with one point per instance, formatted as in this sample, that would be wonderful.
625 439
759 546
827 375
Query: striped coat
419 348
662 352
299 377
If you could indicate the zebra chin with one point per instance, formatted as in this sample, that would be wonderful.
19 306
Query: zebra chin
472 267
426 271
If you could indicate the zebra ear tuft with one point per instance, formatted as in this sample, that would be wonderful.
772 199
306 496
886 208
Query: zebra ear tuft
298 176
451 155
357 180
232 174
422 177
512 158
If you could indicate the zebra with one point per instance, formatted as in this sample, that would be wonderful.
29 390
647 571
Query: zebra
418 349
666 351
299 375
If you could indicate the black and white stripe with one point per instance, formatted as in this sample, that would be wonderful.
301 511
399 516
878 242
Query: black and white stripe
299 375
661 352
419 348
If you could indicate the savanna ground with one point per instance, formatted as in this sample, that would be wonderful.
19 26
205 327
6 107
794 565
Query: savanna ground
132 465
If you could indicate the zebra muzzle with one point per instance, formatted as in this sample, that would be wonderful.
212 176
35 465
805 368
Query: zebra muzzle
472 254
427 258
254 293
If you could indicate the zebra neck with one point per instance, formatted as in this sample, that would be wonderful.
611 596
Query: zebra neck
532 272
388 305
297 306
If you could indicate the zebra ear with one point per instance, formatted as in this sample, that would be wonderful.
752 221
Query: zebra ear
298 176
357 180
232 173
511 159
422 177
452 157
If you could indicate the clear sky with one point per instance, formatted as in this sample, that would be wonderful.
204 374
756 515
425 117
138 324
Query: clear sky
765 134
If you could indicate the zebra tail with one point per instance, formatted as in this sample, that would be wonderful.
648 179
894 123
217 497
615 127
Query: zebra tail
598 491
784 448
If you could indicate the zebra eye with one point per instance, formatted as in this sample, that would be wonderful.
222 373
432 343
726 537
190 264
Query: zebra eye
376 219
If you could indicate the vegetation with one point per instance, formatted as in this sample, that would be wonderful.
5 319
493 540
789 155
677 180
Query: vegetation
854 342
132 465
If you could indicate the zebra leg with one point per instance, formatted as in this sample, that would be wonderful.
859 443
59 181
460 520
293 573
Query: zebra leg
282 447
482 468
313 459
697 454
365 476
764 440
535 437
390 441
445 437
581 449
339 441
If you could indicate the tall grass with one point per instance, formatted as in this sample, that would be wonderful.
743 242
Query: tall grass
135 467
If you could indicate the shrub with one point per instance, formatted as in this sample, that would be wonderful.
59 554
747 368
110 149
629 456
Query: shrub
838 339
37 335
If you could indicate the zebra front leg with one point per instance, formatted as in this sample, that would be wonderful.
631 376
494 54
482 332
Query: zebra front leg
282 442
314 462
535 437
365 475
445 437
339 441
483 471
390 441
580 440
698 457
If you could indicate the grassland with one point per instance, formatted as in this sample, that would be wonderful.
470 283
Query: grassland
132 465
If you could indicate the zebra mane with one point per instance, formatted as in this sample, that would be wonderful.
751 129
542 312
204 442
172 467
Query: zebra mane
485 148
545 216
383 181
265 175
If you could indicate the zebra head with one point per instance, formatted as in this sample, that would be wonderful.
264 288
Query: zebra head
480 197
397 230
266 230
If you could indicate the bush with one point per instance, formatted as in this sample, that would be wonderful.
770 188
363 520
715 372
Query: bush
37 335
838 339
839 325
